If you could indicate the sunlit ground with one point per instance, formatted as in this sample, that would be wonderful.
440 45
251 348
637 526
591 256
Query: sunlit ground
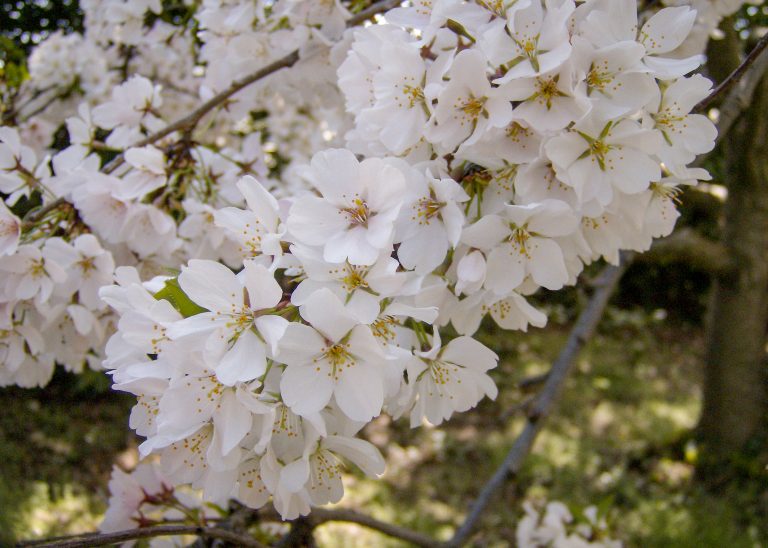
620 439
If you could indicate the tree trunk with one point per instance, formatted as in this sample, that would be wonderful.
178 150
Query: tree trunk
734 411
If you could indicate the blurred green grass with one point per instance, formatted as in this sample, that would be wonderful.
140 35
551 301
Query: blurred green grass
621 438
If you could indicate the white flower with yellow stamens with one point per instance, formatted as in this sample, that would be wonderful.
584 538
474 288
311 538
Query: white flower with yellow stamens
354 219
335 357
467 106
451 378
239 332
598 156
430 224
522 242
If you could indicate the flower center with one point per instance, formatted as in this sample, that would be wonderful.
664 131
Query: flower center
598 79
87 265
666 192
159 337
547 90
519 239
384 328
338 357
37 269
598 149
668 122
440 372
358 213
414 95
423 7
516 132
355 278
286 422
495 6
427 208
499 308
326 468
473 106
239 322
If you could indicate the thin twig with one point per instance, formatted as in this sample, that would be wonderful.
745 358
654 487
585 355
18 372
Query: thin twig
735 76
582 331
687 245
517 408
535 380
737 101
319 516
191 120
323 515
10 115
35 215
739 98
374 9
103 539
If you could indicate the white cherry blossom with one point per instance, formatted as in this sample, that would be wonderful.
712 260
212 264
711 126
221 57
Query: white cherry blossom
354 219
239 330
521 242
449 379
430 224
598 156
467 106
336 357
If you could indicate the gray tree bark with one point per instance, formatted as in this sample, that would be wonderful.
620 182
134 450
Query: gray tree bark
735 398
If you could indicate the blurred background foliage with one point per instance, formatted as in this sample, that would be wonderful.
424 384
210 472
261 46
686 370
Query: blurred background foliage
624 436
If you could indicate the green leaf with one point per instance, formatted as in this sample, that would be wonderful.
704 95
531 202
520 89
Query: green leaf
173 293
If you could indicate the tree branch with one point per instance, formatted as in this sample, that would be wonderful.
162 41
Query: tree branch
323 515
301 534
188 122
739 98
374 9
36 214
535 380
735 76
319 516
191 120
541 408
736 102
103 539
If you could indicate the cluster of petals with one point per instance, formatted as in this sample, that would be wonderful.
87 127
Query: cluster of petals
258 391
555 525
325 250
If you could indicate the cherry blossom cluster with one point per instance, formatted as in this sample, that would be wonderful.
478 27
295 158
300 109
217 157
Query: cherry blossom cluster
554 525
322 247
254 384
122 80
144 497
49 302
507 147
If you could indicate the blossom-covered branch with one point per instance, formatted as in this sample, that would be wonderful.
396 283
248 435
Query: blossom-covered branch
105 539
270 286
188 122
